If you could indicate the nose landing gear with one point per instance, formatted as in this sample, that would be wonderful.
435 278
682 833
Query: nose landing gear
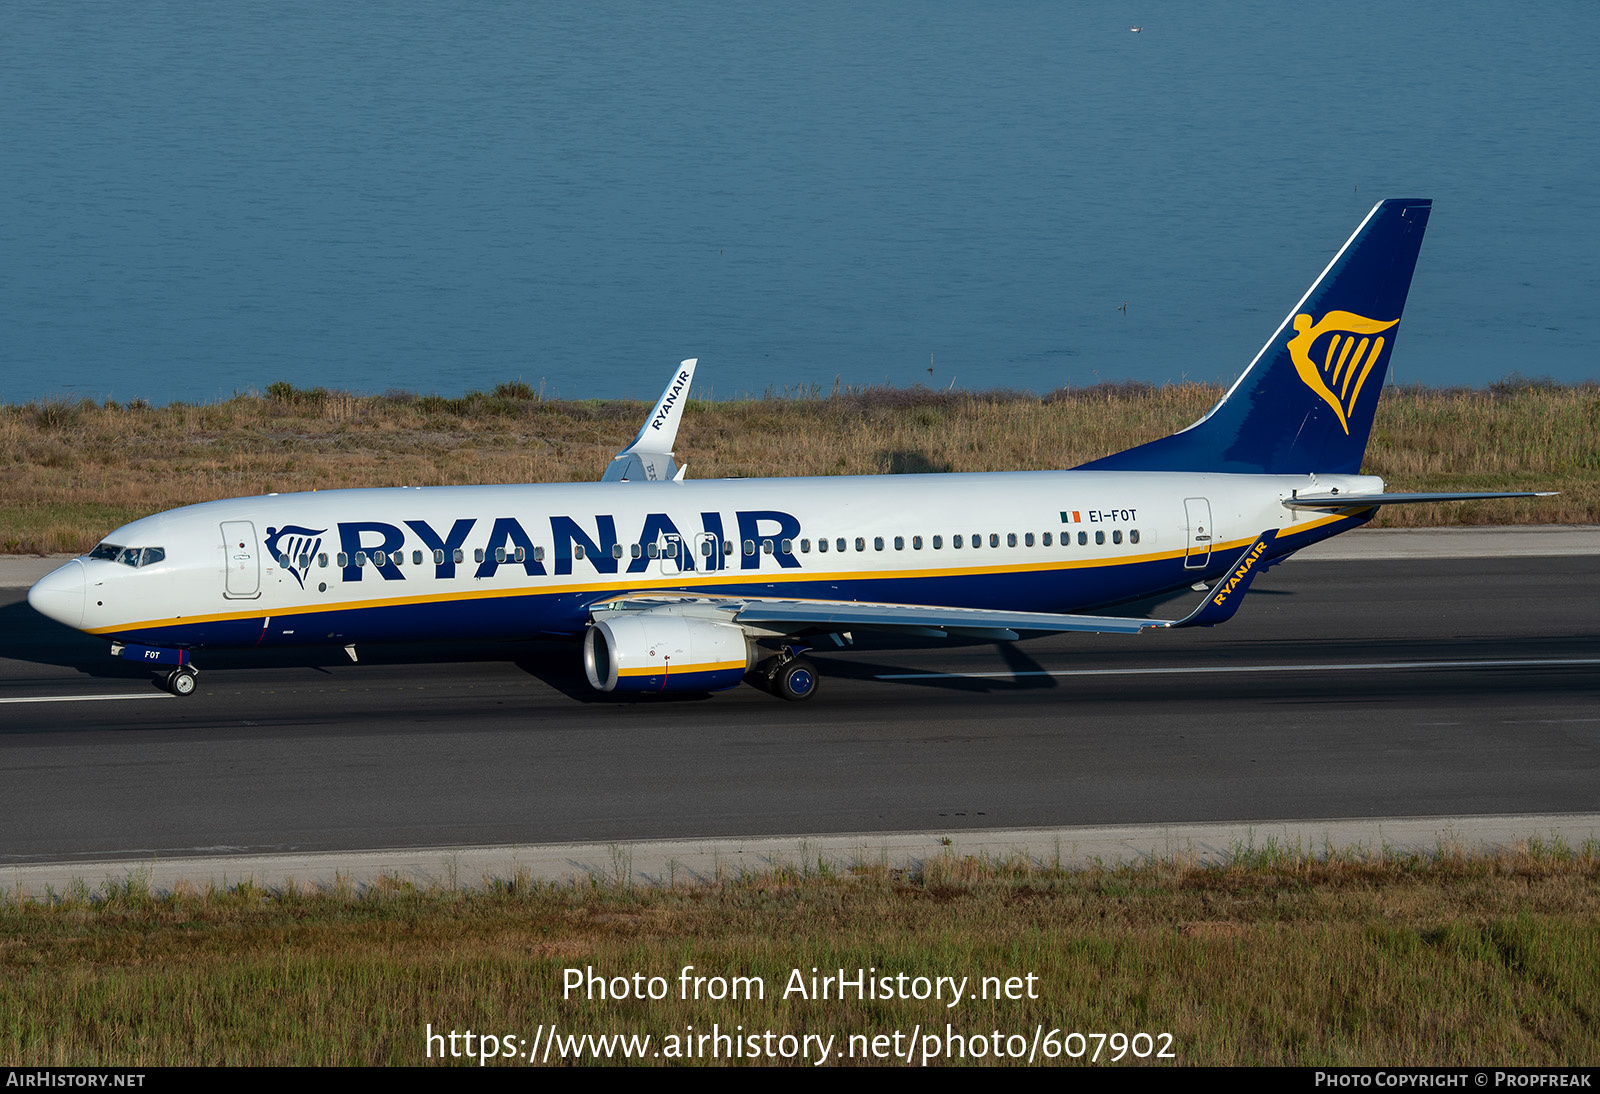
182 681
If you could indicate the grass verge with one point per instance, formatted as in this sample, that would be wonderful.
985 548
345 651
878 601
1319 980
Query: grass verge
72 471
1275 957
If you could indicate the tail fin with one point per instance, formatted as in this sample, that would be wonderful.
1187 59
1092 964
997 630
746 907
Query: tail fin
1306 402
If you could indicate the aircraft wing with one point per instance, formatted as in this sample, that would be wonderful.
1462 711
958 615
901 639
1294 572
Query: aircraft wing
649 457
780 616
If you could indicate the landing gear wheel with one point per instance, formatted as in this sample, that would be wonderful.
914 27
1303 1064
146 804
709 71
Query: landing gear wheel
795 680
182 681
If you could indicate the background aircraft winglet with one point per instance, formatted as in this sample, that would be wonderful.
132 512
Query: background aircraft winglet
649 457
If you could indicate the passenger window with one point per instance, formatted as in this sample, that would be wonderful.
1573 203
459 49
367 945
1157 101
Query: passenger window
805 546
322 560
955 541
1116 535
994 539
1099 537
438 557
499 554
416 558
380 559
705 549
397 559
522 554
899 543
861 544
635 550
787 547
1047 539
977 541
361 558
653 550
1083 539
672 549
461 556
938 543
343 560
1011 539
749 546
822 546
538 555
839 543
766 546
877 543
1028 540
304 561
1133 536
477 556
578 550
916 543
727 547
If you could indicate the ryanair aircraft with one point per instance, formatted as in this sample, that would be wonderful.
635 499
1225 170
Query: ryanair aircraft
695 586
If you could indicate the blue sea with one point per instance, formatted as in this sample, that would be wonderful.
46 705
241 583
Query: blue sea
204 198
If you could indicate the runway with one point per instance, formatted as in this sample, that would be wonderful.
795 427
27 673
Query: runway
1344 689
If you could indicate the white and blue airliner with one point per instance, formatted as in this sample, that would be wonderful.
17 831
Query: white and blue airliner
679 585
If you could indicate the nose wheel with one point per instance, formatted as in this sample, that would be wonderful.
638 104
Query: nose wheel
182 681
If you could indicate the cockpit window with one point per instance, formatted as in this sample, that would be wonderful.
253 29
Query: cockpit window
129 556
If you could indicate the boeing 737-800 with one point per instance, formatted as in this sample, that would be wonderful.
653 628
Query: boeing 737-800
677 585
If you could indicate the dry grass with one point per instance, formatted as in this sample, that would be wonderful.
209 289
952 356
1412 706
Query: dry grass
1280 958
73 471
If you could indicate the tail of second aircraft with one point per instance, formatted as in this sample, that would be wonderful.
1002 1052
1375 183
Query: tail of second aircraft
1306 402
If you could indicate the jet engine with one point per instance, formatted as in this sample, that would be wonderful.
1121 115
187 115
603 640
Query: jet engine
663 653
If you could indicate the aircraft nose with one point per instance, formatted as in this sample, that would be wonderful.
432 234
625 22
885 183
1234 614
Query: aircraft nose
59 594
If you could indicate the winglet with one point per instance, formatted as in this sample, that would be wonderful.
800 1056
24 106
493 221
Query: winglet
1226 595
649 457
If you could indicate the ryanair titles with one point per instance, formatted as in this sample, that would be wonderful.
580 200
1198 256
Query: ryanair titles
1240 572
592 543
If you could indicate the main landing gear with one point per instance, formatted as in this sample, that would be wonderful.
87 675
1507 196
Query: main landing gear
787 675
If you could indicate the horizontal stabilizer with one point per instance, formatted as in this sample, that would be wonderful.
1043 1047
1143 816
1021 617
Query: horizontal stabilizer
649 457
1362 501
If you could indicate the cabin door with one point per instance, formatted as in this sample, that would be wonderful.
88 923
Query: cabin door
1198 512
242 558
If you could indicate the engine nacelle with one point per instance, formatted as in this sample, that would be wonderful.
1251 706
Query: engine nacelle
665 653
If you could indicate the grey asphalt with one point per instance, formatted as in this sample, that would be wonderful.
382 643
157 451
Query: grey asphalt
1265 718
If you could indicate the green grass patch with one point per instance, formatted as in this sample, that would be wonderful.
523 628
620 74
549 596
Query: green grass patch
1278 957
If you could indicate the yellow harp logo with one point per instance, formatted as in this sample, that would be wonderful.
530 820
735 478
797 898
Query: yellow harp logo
1350 353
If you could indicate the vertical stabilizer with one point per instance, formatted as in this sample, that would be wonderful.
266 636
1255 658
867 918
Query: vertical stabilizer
1306 402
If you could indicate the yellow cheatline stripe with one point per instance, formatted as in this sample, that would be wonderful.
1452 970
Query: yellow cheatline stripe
695 583
709 666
